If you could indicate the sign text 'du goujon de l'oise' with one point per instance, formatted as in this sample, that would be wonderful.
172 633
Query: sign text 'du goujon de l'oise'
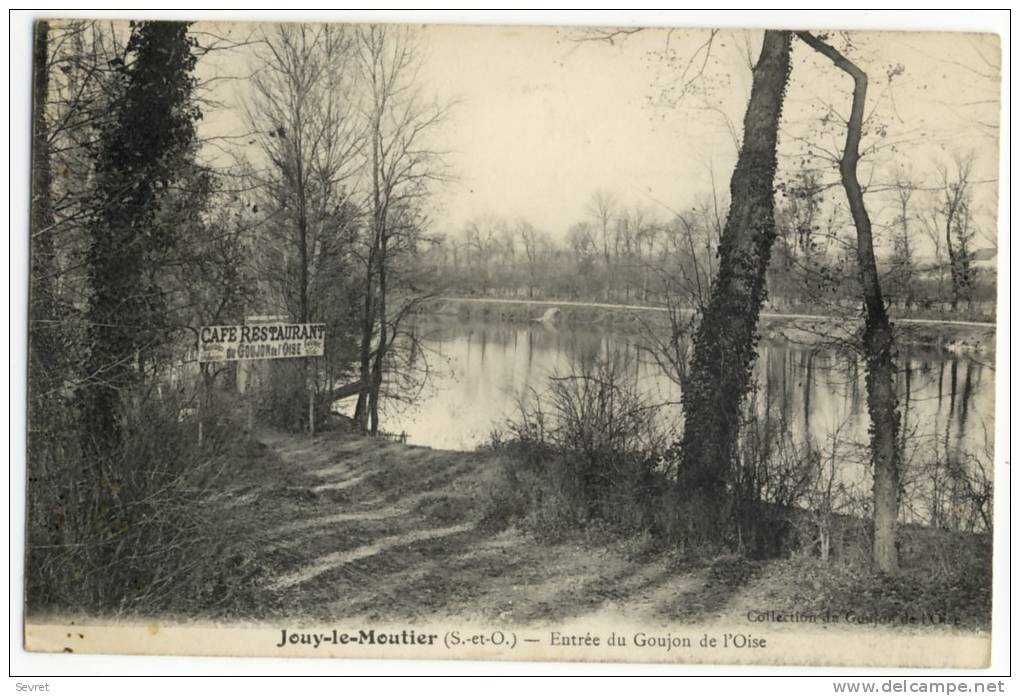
260 341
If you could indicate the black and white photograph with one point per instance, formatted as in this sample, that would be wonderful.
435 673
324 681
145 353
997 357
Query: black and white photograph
579 343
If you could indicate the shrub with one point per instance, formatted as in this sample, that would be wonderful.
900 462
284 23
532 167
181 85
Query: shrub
134 531
921 594
583 452
281 398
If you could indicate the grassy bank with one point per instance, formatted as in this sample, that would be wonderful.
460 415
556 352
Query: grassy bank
945 576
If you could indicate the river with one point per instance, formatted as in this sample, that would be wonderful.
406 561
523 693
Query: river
477 369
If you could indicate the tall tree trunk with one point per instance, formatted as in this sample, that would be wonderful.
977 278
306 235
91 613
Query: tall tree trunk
42 247
879 344
380 352
367 326
954 262
304 272
724 346
42 344
379 223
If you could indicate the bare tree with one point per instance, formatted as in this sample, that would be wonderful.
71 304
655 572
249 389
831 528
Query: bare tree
402 163
304 114
602 209
957 232
531 241
647 238
903 270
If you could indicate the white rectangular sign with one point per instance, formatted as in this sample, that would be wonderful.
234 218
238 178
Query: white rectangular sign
260 341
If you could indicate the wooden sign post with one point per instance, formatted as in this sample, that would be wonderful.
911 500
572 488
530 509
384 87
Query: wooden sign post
262 338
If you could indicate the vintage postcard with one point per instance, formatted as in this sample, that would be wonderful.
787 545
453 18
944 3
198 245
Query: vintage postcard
634 344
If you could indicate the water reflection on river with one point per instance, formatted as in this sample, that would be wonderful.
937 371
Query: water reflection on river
477 369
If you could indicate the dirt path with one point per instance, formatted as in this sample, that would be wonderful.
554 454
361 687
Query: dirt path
388 531
337 559
356 528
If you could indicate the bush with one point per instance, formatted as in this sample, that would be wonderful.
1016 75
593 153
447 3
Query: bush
581 454
281 399
134 531
921 594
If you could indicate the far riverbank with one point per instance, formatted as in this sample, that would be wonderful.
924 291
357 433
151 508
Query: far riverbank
930 333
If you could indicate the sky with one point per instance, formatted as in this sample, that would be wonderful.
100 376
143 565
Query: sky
540 120
543 121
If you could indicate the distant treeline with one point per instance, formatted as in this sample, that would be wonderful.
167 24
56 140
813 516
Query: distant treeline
631 254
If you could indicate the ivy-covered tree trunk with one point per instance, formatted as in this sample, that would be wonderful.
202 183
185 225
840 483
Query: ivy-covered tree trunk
149 137
724 347
879 344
